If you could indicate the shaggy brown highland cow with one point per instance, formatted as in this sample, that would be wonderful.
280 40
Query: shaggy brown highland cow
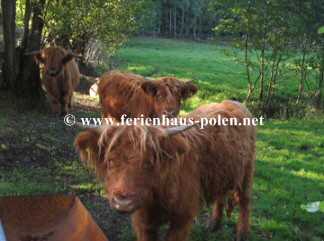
134 95
60 75
47 218
164 175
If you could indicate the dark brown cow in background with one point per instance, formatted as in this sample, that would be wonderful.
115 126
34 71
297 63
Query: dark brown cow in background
134 95
165 175
60 75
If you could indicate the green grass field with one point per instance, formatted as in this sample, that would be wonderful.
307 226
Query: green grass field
37 154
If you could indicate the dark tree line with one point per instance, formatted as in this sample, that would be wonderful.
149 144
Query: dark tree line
180 19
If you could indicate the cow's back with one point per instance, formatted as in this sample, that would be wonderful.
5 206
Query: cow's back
121 93
225 152
73 69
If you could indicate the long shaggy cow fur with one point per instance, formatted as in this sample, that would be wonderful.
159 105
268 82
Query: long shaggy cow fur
134 95
60 75
167 179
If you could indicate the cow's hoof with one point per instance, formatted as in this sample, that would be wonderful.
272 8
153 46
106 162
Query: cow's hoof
242 237
55 114
213 226
64 113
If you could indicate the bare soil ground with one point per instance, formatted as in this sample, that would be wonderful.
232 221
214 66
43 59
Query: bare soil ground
37 157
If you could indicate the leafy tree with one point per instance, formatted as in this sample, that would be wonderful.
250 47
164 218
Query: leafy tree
81 25
28 83
310 43
275 31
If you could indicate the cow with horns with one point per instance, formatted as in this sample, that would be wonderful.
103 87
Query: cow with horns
134 95
166 174
60 75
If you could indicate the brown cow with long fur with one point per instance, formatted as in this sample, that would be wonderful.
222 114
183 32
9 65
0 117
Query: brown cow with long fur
47 218
165 175
134 95
60 75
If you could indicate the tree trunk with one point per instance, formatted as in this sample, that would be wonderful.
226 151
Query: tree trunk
187 24
27 16
318 97
28 82
303 72
262 71
175 22
79 46
194 27
170 22
200 28
272 81
247 67
182 22
9 15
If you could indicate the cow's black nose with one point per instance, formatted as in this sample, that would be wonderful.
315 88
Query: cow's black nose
169 113
124 203
52 72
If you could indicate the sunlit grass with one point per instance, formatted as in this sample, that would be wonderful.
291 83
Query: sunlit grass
186 60
218 73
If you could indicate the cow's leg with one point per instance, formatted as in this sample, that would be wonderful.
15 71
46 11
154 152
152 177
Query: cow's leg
217 215
103 110
70 100
230 207
244 202
64 102
145 229
55 104
243 226
180 228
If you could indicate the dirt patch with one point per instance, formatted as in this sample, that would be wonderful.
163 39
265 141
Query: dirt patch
110 222
37 148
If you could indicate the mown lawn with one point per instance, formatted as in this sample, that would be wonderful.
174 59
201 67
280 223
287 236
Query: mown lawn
37 154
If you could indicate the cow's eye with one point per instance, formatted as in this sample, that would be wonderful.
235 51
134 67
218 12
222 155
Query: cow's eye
147 166
159 97
110 163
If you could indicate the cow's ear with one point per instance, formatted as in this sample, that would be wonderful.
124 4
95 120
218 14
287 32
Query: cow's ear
87 144
38 59
149 88
67 58
188 91
174 146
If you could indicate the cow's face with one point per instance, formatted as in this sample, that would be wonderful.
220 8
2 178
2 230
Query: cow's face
126 162
167 94
130 160
130 177
52 60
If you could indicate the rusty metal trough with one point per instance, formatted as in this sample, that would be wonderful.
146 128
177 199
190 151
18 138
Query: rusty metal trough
47 218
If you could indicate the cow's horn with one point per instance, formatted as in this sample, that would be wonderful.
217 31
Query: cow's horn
76 55
190 81
34 52
177 129
80 125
